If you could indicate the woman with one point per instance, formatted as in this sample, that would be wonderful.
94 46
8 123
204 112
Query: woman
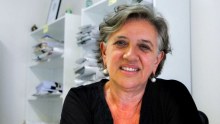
133 43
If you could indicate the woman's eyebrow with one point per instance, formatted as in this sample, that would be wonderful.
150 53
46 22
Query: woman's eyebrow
122 37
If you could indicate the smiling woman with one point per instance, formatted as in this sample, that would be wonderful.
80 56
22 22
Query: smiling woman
134 42
131 54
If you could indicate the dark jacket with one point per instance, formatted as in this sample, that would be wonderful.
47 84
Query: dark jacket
164 102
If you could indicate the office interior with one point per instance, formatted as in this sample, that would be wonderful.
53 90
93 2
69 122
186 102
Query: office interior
19 17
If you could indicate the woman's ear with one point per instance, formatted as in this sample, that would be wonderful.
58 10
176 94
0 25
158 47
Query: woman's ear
159 57
103 50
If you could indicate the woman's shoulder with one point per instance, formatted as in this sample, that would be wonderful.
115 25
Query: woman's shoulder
175 98
171 88
80 101
89 89
169 84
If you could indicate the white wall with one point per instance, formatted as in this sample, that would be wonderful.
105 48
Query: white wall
17 18
205 28
178 64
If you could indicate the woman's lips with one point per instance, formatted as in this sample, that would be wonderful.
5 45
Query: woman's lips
129 69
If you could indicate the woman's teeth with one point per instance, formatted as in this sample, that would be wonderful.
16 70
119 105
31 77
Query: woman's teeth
129 69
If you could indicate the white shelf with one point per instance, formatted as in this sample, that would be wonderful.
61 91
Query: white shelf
94 14
104 7
39 122
53 63
54 29
48 96
47 108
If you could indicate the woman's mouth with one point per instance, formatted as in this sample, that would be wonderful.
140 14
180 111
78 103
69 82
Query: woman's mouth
130 69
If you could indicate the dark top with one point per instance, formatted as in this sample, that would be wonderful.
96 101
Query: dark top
164 102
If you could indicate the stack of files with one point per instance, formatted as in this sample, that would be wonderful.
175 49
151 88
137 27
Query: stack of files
48 48
87 38
48 87
88 70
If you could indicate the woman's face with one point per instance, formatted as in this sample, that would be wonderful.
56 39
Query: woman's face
131 54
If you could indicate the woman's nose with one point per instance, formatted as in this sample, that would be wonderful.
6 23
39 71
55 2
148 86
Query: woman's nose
130 54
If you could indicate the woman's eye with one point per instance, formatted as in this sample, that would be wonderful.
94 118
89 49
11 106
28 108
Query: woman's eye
144 47
120 43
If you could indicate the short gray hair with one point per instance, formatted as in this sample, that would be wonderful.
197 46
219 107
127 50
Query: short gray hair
115 20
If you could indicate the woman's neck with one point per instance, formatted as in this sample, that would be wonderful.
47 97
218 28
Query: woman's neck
124 104
124 97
